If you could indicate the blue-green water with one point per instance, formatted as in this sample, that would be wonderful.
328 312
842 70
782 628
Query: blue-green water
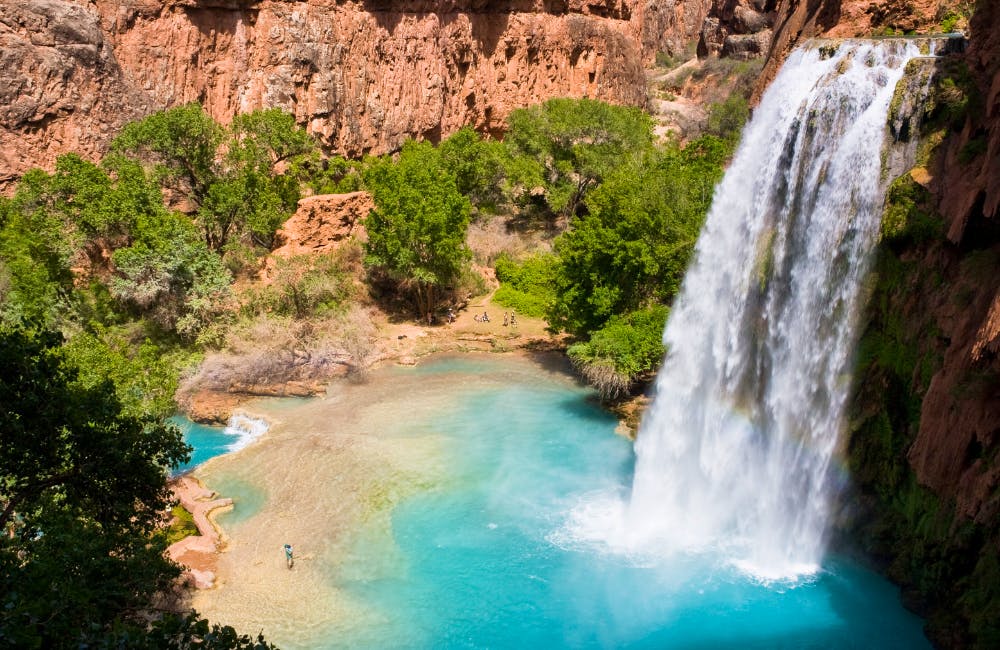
210 441
207 441
488 557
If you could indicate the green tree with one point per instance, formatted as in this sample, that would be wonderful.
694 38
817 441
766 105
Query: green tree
35 277
572 145
168 274
237 179
82 489
59 438
726 118
633 245
68 220
82 492
479 167
416 234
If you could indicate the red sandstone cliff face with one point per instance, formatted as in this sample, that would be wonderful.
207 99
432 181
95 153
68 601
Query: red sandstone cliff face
362 75
960 419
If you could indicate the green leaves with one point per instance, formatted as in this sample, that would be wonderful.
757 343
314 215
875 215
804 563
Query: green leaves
82 491
632 246
169 275
572 145
183 142
528 286
416 234
625 348
240 181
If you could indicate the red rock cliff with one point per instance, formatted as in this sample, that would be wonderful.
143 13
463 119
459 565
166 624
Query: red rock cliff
362 75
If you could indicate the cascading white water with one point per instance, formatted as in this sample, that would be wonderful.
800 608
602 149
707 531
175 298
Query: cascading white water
735 451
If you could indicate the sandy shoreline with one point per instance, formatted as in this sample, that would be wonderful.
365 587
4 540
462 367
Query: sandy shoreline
326 471
198 553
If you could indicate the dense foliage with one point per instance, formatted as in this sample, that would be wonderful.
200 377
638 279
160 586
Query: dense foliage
568 146
626 347
82 497
632 246
416 234
82 490
527 286
230 175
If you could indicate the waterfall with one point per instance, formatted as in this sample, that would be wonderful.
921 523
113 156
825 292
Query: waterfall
735 454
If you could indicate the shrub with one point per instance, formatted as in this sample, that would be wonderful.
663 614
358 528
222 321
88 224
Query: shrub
302 286
726 118
528 286
625 349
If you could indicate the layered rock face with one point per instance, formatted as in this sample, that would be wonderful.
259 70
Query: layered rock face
56 64
362 75
739 29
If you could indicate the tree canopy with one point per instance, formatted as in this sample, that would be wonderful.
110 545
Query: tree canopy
82 489
231 176
416 234
568 146
633 244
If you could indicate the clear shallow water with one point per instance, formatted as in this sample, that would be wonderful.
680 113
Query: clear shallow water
484 557
211 441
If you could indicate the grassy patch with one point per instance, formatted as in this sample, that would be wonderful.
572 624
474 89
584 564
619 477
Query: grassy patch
181 525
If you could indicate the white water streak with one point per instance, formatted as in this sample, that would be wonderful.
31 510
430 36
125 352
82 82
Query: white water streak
735 452
245 429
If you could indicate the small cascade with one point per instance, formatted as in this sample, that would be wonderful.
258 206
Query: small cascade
735 453
244 429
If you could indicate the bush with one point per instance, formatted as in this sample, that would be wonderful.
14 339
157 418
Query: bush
726 119
303 286
529 286
625 349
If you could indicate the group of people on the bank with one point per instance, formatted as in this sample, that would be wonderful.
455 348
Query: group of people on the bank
508 320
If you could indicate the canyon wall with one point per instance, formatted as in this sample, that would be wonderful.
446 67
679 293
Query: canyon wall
925 439
362 75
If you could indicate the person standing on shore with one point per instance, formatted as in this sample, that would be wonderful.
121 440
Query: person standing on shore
288 556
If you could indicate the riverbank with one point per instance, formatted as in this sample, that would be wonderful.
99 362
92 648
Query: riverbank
397 341
198 553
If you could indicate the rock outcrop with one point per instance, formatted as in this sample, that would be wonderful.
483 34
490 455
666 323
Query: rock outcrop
925 447
362 75
61 88
321 222
740 29
198 553
795 21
